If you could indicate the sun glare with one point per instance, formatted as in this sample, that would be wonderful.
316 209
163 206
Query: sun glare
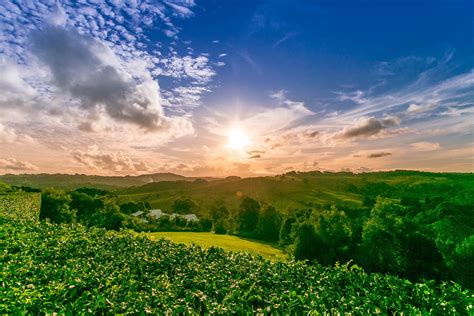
237 139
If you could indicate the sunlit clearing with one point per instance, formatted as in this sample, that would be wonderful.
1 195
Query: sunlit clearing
237 139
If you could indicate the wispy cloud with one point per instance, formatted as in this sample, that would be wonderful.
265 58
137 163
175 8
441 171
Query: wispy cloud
425 146
284 38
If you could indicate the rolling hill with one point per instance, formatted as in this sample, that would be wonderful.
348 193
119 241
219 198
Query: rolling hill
301 190
70 181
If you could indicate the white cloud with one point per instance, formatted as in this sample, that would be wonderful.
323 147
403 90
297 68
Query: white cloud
10 136
196 68
15 90
86 70
94 158
13 164
421 96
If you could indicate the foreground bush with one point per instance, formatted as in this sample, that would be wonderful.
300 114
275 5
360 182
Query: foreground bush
20 205
47 268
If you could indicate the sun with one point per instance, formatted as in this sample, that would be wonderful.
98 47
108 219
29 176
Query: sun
237 139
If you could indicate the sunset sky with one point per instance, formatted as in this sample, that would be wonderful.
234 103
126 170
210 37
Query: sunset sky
217 88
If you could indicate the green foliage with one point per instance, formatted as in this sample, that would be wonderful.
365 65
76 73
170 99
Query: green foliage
308 244
334 228
109 217
20 205
71 269
85 205
55 206
4 188
463 260
269 223
184 206
220 227
219 212
286 230
132 207
248 215
393 243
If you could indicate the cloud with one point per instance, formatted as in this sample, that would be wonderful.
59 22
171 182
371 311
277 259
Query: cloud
279 95
88 71
181 8
425 146
253 152
93 158
195 68
367 127
312 134
355 96
430 91
285 38
16 165
120 23
10 136
15 90
379 154
255 156
414 108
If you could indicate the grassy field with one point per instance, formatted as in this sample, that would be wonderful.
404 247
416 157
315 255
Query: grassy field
231 243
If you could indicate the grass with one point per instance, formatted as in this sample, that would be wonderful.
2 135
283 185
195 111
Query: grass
227 242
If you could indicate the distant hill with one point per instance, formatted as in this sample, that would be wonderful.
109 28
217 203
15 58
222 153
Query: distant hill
302 189
68 181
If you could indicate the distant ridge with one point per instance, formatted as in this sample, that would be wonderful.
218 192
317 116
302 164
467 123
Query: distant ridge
72 181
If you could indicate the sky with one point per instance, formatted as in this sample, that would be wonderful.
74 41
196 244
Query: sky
247 88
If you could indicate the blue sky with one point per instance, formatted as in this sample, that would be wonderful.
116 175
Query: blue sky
235 87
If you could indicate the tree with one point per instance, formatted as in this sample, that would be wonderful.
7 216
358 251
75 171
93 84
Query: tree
334 228
308 243
269 223
85 205
205 224
462 263
184 206
286 230
368 201
132 207
248 215
55 206
109 217
220 227
381 250
219 213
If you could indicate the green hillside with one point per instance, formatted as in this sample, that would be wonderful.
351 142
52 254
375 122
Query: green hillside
299 190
